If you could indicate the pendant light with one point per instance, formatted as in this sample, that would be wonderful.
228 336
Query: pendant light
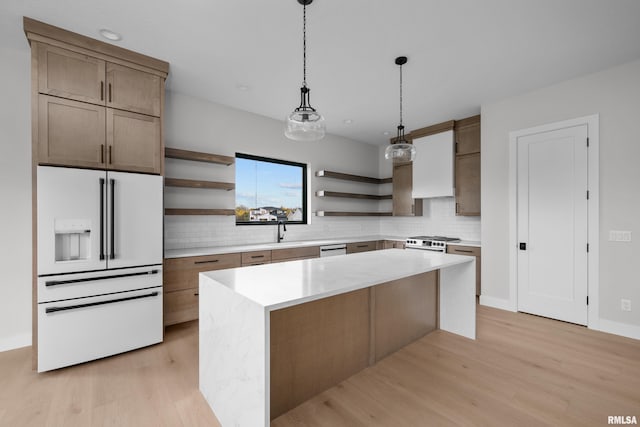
400 149
304 123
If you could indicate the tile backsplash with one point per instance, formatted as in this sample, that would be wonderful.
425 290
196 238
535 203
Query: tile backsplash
203 231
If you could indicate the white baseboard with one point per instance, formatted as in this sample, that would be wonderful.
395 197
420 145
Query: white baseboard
16 341
501 303
617 328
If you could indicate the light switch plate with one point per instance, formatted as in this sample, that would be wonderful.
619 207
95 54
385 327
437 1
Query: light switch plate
619 236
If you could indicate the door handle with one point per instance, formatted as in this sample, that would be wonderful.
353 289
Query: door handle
112 250
101 219
523 246
93 304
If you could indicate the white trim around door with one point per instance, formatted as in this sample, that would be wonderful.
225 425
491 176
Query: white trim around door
593 133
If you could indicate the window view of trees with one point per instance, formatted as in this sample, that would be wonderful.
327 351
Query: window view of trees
270 190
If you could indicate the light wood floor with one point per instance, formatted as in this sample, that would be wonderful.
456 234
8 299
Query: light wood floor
521 371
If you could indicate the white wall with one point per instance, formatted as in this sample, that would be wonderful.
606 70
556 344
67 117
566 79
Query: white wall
199 125
15 193
615 95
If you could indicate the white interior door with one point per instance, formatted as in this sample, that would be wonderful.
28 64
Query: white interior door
552 224
134 219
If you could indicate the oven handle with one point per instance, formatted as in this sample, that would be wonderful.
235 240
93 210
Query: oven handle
93 304
91 279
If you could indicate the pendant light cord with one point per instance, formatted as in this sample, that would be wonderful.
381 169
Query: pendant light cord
304 45
400 94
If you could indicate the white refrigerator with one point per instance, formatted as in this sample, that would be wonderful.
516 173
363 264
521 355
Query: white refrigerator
99 264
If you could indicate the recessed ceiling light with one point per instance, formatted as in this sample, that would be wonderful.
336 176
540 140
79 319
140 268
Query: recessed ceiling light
348 121
386 133
242 87
110 35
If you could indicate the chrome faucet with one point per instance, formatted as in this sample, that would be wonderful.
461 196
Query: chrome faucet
284 228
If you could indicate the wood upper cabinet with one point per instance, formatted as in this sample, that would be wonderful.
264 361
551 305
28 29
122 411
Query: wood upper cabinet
133 142
70 75
70 133
402 200
467 166
467 135
96 113
133 90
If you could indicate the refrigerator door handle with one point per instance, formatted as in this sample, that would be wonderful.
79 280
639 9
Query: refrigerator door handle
112 238
101 219
93 279
93 304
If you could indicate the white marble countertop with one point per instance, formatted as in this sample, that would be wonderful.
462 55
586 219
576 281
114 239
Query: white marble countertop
216 250
280 285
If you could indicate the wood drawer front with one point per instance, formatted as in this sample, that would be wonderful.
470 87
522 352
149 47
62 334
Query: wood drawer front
463 250
289 253
180 306
256 257
356 247
182 273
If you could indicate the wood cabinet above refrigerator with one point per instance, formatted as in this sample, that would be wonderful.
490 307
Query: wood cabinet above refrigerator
77 78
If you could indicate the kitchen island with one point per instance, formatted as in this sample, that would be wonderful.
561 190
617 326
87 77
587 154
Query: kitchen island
272 336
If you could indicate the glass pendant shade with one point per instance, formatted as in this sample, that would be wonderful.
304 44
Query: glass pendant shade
304 123
400 151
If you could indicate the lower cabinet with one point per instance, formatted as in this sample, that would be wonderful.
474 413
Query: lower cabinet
355 247
392 244
256 258
181 283
470 251
292 254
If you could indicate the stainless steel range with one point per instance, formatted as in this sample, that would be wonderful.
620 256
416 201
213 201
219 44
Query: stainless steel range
430 243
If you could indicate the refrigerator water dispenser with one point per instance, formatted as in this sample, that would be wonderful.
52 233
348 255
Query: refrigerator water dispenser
73 239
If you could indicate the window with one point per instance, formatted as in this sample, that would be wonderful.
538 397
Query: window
270 190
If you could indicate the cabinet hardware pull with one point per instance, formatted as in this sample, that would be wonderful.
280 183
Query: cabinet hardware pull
101 153
110 92
93 279
257 256
102 182
93 304
110 156
112 250
463 250
206 262
196 294
362 246
457 207
101 91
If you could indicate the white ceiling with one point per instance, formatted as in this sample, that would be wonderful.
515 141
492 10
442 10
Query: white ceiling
462 53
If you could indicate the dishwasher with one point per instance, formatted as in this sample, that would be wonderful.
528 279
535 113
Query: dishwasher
333 250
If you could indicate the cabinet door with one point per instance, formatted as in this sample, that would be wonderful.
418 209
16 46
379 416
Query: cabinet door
133 90
70 75
70 133
468 185
403 202
468 135
133 142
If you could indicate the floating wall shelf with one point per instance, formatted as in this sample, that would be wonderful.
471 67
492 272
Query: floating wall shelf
189 183
226 212
195 156
328 213
349 177
324 193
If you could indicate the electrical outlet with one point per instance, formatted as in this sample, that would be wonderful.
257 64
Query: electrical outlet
625 304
